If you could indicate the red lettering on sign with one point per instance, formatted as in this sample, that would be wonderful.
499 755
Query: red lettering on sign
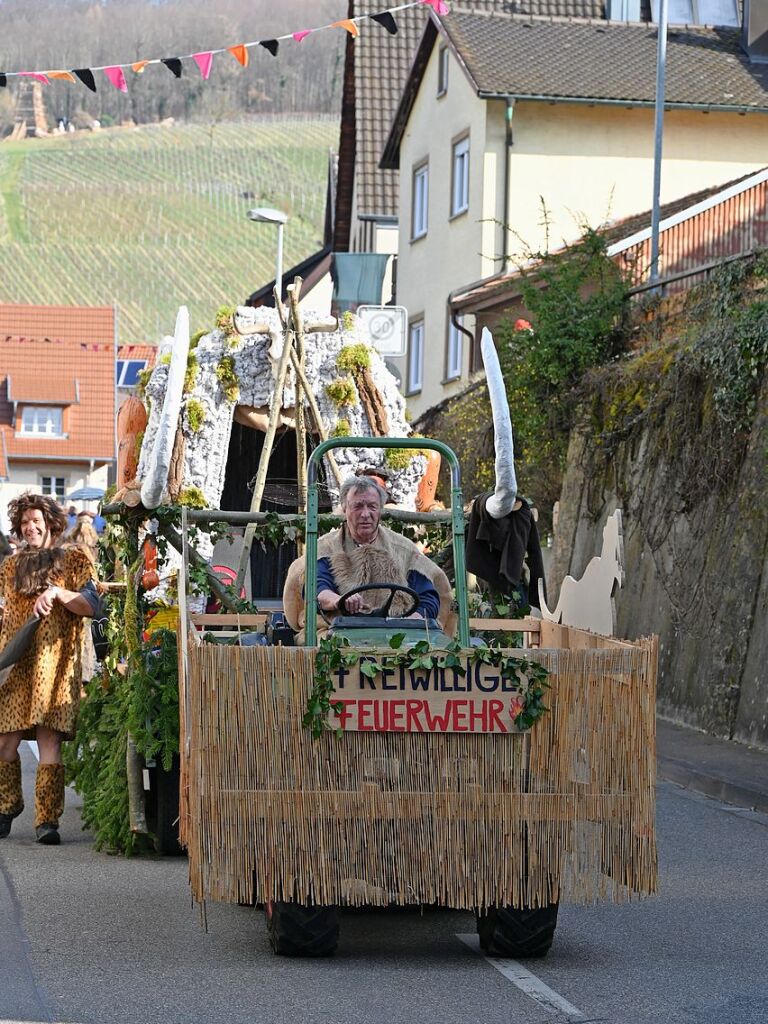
437 723
380 716
396 711
344 715
459 708
478 716
364 709
495 708
414 709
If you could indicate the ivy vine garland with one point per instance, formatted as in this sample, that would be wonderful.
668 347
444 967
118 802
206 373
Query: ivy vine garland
335 652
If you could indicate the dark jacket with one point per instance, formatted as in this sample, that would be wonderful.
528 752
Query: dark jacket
497 548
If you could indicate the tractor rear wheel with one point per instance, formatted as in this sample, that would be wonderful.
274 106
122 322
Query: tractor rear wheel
296 930
517 932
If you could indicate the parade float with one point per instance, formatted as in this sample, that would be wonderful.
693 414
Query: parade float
503 770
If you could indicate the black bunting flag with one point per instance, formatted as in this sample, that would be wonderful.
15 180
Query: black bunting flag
173 64
3 80
271 45
386 20
86 77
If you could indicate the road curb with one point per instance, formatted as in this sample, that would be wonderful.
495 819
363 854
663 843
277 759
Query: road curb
709 785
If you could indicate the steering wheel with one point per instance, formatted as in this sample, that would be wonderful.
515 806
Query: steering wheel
382 610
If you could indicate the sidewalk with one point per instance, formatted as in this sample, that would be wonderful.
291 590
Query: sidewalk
721 769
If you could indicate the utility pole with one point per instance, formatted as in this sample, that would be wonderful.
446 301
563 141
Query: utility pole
661 72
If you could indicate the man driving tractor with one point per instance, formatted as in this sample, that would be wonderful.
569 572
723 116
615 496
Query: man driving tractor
363 552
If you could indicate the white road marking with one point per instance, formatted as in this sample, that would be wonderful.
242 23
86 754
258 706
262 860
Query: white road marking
36 752
527 982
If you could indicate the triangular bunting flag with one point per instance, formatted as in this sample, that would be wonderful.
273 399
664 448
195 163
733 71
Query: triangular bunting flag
65 76
37 75
173 64
240 53
86 77
116 77
3 80
271 45
438 6
204 62
298 36
349 25
387 21
139 66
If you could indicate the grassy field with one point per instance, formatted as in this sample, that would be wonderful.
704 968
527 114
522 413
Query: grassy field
149 218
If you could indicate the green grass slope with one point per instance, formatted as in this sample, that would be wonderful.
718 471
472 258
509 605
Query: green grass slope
154 217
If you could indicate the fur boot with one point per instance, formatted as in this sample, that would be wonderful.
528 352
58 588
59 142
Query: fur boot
11 799
49 802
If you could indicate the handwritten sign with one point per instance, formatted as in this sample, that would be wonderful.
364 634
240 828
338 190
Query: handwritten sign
402 699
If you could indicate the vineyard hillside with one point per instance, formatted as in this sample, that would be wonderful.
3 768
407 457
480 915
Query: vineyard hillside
151 217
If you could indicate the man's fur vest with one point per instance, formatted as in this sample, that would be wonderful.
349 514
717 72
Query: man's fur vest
388 559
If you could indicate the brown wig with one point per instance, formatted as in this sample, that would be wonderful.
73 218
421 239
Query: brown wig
36 569
55 517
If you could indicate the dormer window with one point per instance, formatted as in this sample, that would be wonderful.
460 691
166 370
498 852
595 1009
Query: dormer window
127 372
42 420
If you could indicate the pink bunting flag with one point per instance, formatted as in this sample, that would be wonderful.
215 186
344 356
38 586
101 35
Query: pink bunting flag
298 36
204 61
36 75
438 6
117 78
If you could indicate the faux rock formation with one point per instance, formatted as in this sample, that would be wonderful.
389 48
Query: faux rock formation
230 374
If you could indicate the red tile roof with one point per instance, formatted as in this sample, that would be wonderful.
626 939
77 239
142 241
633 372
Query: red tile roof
67 323
27 385
88 412
146 352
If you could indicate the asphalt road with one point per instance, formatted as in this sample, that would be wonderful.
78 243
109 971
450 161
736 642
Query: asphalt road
91 939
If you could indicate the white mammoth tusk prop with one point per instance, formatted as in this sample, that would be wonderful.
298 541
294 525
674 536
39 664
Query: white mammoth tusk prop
502 500
159 462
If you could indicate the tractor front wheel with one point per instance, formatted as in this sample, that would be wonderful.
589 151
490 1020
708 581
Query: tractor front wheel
296 930
517 932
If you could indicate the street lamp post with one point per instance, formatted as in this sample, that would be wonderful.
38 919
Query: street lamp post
266 215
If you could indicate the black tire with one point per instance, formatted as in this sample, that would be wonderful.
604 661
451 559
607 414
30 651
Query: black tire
295 930
517 932
162 804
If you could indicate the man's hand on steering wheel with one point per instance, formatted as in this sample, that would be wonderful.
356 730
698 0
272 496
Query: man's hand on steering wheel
353 598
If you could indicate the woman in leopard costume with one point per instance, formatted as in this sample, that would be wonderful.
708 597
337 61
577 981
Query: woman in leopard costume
39 698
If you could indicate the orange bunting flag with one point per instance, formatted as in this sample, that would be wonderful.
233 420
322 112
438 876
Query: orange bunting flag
349 25
139 66
240 53
65 76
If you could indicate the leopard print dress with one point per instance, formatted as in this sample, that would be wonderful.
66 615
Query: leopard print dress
43 688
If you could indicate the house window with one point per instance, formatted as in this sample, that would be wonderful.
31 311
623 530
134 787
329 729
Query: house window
53 486
699 12
442 71
454 355
42 419
460 188
420 201
416 357
127 372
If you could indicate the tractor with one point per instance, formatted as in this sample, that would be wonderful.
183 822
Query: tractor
388 763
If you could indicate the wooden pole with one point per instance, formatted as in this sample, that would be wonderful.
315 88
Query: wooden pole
266 452
312 401
294 291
